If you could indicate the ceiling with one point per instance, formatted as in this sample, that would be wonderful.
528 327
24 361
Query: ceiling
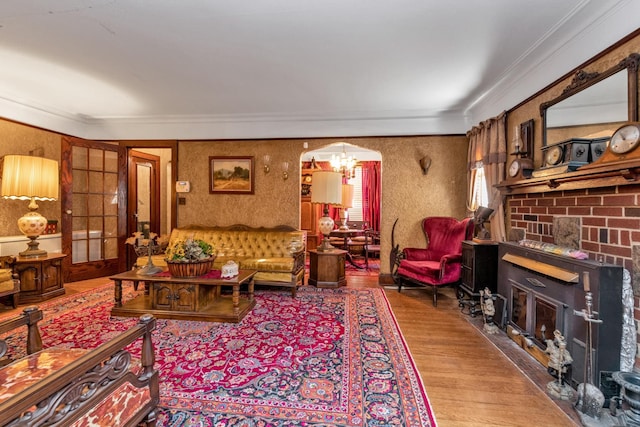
210 69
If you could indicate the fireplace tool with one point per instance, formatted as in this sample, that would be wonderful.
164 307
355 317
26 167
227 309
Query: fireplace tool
590 398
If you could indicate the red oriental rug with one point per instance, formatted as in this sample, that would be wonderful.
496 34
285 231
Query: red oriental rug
330 357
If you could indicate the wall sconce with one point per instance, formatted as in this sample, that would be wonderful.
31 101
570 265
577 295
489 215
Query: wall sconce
425 164
267 163
285 170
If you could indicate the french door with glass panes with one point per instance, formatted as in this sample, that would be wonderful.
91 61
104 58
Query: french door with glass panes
92 205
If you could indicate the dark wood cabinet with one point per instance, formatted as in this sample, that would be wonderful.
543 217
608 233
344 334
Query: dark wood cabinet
479 266
327 269
479 271
309 216
41 278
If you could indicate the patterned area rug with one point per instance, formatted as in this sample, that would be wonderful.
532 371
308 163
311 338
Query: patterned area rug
330 357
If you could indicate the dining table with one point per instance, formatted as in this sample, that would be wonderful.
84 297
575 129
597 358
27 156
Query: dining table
347 235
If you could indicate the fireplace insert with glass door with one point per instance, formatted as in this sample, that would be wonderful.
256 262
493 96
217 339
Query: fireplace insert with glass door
543 290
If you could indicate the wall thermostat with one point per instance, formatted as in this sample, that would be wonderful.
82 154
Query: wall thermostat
183 186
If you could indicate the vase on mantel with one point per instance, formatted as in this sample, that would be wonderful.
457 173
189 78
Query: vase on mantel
190 268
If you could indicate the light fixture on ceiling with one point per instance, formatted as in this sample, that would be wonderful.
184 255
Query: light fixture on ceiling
30 178
344 164
327 190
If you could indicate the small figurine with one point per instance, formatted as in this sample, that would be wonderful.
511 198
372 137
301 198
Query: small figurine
488 311
229 270
559 361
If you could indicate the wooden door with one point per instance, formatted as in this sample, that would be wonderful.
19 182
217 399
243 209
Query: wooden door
93 189
143 193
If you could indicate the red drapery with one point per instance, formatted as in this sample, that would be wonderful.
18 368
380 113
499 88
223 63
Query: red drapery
371 189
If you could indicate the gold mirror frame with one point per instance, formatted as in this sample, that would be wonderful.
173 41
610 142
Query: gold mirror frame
583 80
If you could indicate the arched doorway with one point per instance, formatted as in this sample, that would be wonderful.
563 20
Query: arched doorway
364 177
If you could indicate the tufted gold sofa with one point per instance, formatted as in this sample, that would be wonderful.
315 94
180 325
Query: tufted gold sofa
278 254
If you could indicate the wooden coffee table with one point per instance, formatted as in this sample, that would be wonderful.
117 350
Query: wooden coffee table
195 298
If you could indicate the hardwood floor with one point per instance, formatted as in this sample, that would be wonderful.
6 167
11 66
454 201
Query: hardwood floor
469 382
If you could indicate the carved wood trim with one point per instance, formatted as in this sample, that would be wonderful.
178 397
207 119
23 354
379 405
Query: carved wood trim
608 175
582 80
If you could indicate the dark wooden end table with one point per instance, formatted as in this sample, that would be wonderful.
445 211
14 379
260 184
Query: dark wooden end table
327 268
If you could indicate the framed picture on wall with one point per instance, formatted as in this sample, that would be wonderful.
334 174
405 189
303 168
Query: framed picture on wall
231 174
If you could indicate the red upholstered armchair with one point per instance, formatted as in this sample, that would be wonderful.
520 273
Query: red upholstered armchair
441 262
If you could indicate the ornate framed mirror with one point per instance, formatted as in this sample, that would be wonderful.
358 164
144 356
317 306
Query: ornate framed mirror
593 105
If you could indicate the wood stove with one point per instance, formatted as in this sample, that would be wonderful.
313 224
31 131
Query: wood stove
543 290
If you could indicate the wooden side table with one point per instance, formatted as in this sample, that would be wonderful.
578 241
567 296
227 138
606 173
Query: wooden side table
41 278
326 269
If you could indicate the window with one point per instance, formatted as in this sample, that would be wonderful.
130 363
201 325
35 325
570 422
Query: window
355 212
479 194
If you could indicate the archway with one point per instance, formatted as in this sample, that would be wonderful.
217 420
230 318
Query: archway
365 179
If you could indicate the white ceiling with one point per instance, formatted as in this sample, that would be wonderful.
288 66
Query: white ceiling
200 69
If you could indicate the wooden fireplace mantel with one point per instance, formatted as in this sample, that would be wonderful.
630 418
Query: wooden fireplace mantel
611 174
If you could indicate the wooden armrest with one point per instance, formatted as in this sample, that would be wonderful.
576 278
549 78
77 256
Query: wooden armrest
30 317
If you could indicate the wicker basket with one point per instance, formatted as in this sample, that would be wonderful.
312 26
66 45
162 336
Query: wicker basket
190 269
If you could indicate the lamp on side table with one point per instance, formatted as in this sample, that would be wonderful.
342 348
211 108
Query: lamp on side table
327 190
30 178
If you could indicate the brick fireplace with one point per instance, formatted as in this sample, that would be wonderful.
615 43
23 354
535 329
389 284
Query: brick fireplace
600 216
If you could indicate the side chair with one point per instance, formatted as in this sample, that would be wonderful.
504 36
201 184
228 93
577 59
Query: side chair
372 245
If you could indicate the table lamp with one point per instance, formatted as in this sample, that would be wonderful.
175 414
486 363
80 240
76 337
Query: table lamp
326 190
347 202
30 178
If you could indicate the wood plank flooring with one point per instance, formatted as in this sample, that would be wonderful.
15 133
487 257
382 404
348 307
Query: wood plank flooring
469 382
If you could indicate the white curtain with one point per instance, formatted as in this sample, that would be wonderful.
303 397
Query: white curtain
487 144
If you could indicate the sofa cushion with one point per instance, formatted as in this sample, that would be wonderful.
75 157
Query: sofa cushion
30 369
271 277
6 274
7 285
116 408
268 264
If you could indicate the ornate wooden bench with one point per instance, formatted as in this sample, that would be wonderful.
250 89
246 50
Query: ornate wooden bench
74 387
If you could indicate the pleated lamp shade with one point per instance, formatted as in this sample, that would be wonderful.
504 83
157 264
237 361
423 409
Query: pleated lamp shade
326 188
30 178
347 196
27 177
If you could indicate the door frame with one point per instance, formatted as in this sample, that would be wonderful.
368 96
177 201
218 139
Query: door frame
135 157
126 177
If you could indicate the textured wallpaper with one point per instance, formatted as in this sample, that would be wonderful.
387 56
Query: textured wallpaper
407 194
